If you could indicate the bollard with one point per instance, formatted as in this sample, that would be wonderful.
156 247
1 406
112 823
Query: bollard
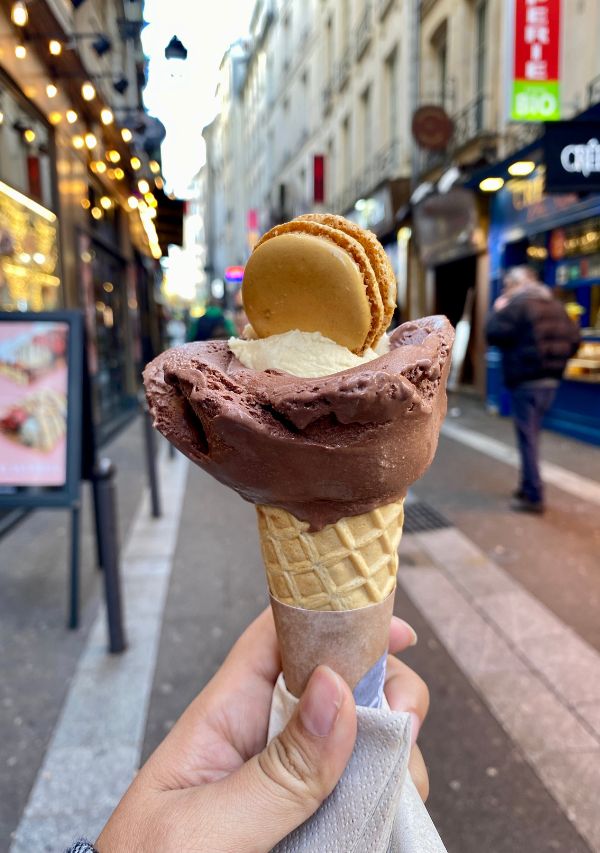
104 490
150 444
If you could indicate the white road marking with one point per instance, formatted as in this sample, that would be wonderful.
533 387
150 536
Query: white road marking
562 478
539 679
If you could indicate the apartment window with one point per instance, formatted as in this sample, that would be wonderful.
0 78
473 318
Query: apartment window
329 176
391 95
367 126
439 43
329 48
480 47
345 24
346 152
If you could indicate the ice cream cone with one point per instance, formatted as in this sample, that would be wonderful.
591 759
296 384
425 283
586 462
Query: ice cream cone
344 566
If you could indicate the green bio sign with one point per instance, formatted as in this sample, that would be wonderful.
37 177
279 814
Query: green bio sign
535 100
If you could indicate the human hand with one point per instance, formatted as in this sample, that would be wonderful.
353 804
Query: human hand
214 785
501 302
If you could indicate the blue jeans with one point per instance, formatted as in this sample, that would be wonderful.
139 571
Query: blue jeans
530 404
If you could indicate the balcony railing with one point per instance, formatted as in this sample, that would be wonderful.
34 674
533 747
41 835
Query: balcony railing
594 91
364 30
384 165
343 68
327 96
383 7
470 124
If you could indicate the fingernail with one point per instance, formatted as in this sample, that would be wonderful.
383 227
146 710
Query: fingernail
414 728
411 632
321 702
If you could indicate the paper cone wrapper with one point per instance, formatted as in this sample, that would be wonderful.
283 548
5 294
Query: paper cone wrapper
332 593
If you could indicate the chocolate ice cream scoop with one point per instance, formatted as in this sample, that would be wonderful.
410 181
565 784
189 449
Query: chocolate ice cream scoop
323 449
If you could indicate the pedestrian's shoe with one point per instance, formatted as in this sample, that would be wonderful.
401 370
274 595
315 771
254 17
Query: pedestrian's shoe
524 504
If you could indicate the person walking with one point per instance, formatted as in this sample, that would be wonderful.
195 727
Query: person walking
536 338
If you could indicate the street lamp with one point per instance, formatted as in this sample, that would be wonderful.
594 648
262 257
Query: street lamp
175 49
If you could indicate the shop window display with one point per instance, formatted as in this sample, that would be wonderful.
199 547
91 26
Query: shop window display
29 260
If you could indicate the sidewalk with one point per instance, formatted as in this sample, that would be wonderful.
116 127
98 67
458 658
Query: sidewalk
513 737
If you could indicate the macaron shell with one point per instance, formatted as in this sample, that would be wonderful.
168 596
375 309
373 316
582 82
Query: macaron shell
356 253
382 267
301 281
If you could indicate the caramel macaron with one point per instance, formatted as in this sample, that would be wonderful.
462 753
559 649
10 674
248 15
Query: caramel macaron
310 276
382 267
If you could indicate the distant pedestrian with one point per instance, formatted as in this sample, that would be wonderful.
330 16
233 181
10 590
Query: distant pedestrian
536 338
212 325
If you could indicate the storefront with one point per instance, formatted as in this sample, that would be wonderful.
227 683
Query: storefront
451 244
559 235
30 274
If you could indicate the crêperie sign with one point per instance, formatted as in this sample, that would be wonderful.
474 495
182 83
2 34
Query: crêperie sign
572 156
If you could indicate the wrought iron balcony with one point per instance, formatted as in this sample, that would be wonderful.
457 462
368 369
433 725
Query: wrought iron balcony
469 123
364 30
594 91
383 7
327 96
343 68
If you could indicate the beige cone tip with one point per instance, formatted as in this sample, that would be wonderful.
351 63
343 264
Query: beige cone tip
344 566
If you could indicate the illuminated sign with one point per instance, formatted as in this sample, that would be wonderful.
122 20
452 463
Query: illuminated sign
572 156
235 274
536 84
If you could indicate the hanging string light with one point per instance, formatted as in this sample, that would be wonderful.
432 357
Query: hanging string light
126 134
71 116
132 202
29 135
100 167
52 90
113 155
96 212
143 186
106 116
135 163
78 141
55 47
159 183
106 202
55 117
90 140
20 50
154 167
119 173
18 13
88 92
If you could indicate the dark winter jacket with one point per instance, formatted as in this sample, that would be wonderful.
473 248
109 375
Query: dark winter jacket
535 335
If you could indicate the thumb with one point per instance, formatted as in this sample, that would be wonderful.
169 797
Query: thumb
285 784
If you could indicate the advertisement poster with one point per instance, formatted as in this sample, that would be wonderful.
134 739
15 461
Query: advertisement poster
536 83
33 403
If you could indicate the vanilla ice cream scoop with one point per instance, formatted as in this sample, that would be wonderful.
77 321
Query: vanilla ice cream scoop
305 354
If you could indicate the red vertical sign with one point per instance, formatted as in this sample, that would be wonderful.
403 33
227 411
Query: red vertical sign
319 179
536 84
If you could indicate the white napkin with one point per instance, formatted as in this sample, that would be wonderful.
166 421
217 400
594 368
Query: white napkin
375 807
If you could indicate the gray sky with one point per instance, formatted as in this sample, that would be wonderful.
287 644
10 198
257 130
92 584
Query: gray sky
181 94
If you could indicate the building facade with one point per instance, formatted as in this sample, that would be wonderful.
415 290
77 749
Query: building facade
79 184
326 106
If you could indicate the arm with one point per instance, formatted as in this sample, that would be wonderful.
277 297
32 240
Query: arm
501 327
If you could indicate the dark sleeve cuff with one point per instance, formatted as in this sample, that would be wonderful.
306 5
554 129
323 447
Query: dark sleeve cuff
81 846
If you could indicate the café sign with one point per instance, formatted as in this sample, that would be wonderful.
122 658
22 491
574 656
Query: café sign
572 156
535 94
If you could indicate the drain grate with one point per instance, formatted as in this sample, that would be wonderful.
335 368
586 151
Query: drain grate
419 516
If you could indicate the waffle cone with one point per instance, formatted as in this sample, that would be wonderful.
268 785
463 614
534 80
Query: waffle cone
344 566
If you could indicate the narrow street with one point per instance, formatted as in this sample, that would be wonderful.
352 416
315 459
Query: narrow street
509 643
